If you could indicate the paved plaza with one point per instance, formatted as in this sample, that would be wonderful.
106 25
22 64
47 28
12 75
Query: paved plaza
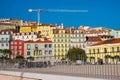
96 71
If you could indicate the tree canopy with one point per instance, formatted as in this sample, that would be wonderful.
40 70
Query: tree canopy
76 54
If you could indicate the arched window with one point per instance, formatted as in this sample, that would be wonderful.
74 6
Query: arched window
28 46
36 46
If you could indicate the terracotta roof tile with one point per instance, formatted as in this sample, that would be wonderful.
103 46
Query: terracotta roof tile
38 41
111 41
93 38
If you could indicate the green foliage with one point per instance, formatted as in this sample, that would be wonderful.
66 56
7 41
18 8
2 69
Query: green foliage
76 54
116 57
19 57
63 59
92 57
108 56
5 53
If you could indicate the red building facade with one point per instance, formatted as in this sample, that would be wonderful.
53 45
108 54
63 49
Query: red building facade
17 48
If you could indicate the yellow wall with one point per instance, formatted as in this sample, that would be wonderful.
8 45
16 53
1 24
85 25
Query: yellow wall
101 53
28 29
62 40
46 31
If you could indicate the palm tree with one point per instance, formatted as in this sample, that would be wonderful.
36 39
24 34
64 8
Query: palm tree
92 58
116 57
112 59
107 57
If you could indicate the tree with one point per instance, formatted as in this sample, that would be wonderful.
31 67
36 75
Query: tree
107 57
76 54
6 53
19 57
116 57
92 58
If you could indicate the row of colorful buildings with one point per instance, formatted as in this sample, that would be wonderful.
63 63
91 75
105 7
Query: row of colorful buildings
52 41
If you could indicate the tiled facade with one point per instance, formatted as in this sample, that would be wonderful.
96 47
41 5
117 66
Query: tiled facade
17 48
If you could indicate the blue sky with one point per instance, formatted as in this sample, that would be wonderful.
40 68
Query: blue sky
104 13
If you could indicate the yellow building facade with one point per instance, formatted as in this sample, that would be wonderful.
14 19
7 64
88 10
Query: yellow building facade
108 51
46 30
28 29
65 39
61 43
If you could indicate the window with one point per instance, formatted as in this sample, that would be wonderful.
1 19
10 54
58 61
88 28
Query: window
2 39
22 37
54 35
62 50
58 40
27 37
54 40
15 42
20 42
36 46
58 45
54 45
20 47
62 45
2 44
112 49
66 50
50 52
94 51
32 36
28 46
118 49
6 39
58 50
11 47
11 42
50 45
28 53
61 40
45 45
98 50
46 52
20 52
90 51
105 50
65 45
54 50
6 44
